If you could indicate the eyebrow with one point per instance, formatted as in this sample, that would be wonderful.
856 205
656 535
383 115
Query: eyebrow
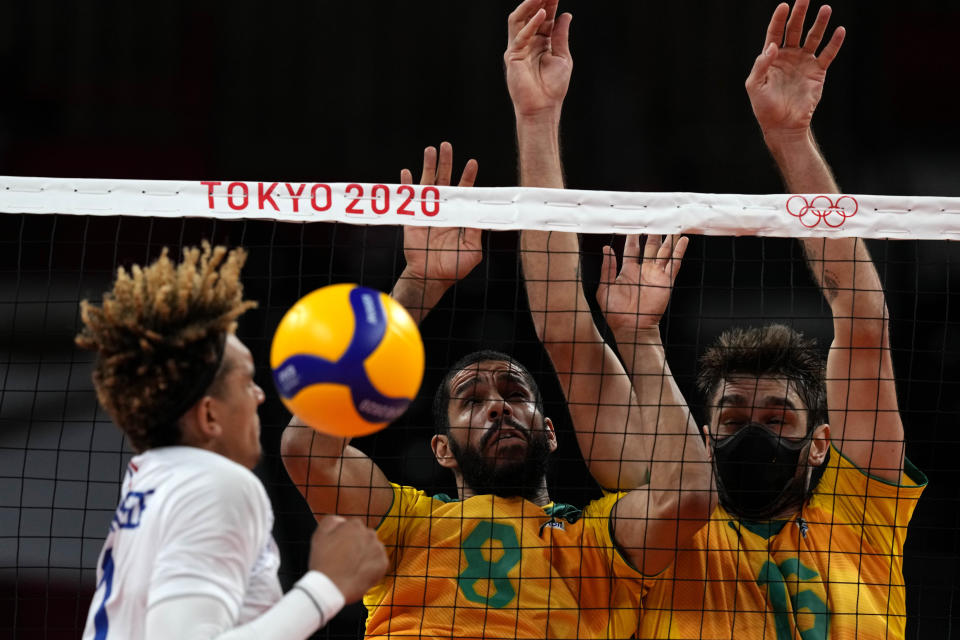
771 401
513 376
460 390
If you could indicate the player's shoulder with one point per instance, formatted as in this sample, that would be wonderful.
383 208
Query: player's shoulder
198 471
601 507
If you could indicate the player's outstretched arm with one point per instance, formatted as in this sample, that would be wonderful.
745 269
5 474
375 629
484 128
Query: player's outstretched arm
652 521
334 477
437 257
538 68
784 87
633 302
346 559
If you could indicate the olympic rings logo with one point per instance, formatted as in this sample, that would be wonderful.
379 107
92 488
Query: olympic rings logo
822 209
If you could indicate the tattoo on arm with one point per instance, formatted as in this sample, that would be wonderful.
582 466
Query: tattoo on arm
829 285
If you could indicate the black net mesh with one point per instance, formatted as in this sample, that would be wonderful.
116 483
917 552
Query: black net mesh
61 459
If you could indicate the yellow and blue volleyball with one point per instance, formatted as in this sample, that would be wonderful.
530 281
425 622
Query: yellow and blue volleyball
347 360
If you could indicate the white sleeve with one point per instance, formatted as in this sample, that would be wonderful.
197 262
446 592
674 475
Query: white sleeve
312 602
212 536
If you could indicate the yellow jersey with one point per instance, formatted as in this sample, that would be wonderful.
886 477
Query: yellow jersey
491 567
836 571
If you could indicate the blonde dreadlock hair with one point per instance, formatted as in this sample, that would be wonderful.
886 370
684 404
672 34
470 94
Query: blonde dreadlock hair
159 337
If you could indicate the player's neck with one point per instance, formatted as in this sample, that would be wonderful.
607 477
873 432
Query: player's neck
538 495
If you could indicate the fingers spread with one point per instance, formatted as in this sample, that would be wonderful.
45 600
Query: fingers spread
631 248
795 23
651 248
815 35
445 168
406 177
777 24
679 250
429 175
833 47
469 175
608 269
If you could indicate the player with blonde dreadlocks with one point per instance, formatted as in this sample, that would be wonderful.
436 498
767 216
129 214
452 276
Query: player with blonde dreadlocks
189 553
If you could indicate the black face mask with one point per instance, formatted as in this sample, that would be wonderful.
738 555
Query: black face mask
759 474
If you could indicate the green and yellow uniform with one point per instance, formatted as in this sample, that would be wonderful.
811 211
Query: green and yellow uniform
490 567
834 572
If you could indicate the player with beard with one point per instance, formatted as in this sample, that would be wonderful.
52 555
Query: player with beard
815 491
515 470
504 560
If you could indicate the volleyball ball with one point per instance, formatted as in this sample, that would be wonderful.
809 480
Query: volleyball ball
347 360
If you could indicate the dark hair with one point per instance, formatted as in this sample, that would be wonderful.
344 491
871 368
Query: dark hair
772 350
441 399
159 336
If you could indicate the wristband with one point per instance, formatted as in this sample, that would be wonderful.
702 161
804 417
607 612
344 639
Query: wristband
326 597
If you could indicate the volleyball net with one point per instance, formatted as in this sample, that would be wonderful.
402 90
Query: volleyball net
61 241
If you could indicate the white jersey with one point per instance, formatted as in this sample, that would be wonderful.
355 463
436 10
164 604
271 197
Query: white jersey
190 522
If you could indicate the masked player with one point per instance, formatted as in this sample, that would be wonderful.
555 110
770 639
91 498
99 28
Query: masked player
815 493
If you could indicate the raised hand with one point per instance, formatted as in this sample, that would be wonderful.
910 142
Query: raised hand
636 298
537 59
441 255
786 81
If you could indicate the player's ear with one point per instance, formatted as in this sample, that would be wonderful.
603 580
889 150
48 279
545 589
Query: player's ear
199 425
208 412
551 434
705 430
440 443
819 445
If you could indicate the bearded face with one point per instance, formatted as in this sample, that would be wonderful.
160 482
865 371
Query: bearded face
497 435
519 472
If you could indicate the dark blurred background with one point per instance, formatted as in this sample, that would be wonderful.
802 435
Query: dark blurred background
332 92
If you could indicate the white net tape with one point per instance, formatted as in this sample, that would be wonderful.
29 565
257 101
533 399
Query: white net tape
499 208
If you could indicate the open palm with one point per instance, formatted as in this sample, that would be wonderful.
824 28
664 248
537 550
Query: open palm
786 82
441 254
636 298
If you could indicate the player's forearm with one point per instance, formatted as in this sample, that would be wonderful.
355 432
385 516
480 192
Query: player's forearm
551 271
681 477
841 266
299 441
849 281
310 605
653 383
678 456
417 294
800 161
538 151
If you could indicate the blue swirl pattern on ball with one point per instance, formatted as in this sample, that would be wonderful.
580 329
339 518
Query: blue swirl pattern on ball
370 325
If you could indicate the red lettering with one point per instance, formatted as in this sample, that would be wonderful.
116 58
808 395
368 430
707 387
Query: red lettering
210 185
407 189
385 193
245 192
435 209
357 189
266 196
295 195
313 197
